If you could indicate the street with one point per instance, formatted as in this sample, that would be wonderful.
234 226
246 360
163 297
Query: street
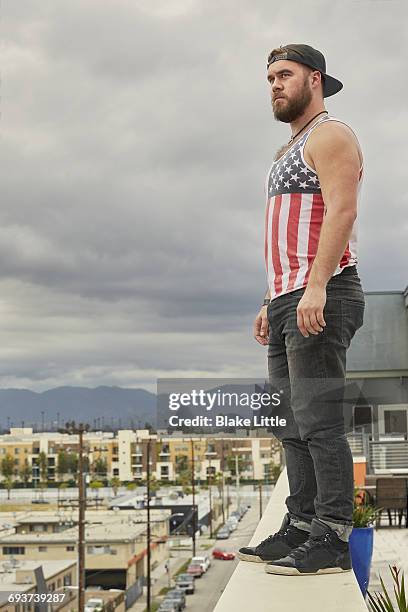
209 588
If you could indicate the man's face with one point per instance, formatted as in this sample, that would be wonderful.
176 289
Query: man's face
291 93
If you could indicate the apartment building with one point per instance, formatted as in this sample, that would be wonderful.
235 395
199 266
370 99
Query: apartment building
115 555
37 456
25 577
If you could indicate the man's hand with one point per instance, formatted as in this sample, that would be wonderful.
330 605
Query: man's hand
310 311
261 326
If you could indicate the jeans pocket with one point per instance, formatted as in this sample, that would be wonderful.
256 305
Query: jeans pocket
353 318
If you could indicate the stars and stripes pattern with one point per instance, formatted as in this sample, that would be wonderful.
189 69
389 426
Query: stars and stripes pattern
294 215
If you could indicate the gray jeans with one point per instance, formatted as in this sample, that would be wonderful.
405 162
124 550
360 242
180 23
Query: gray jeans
311 373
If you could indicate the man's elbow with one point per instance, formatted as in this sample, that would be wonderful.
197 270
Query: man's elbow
345 212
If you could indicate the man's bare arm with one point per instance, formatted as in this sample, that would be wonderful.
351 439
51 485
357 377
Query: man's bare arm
335 156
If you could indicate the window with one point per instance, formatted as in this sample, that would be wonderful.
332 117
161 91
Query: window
16 451
42 549
70 548
13 550
38 528
67 579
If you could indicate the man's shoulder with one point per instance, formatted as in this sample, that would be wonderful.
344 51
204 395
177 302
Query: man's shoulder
332 135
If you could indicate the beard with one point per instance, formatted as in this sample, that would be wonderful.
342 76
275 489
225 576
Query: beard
294 108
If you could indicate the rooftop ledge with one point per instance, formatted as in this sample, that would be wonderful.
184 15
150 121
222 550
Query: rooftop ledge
251 588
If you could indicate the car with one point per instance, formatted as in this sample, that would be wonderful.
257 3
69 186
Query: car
195 570
167 605
177 595
223 533
204 561
224 555
185 582
94 605
232 524
236 514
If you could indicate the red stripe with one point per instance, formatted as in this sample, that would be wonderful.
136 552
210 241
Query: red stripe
266 234
316 220
292 237
346 256
275 244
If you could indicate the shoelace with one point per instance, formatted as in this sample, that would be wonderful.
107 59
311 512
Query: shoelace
312 543
275 536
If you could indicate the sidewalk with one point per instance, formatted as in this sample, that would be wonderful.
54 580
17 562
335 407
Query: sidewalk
160 578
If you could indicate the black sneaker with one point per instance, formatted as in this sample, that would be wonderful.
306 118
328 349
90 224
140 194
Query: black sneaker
275 546
323 553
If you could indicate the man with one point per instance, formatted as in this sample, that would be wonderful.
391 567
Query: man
313 307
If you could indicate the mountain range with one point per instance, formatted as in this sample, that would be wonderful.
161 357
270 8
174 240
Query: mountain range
102 407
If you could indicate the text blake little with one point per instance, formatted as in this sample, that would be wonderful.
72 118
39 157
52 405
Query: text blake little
227 421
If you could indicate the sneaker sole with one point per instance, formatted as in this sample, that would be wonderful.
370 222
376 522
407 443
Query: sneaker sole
292 571
253 558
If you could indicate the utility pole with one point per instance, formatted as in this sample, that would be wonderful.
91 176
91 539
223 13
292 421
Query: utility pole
79 430
210 492
148 607
193 488
237 478
222 481
228 498
260 500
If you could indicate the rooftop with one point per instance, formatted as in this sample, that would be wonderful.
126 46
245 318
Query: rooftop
250 586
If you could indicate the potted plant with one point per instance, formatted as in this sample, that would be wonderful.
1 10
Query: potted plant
361 541
381 602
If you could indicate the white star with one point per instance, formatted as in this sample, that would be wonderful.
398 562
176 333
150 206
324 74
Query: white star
313 179
303 185
293 154
304 170
280 177
296 162
289 169
294 177
287 183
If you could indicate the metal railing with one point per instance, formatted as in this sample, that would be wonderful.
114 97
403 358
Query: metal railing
383 454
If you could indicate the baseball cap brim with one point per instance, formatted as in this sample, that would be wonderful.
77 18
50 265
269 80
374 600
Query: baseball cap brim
331 85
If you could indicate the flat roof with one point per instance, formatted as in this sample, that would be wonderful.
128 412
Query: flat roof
121 527
8 574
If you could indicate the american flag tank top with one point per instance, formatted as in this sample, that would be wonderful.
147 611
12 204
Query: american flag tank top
293 220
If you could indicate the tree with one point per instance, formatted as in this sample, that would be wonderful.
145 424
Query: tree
115 484
63 462
7 469
95 485
154 484
100 467
184 479
43 463
25 472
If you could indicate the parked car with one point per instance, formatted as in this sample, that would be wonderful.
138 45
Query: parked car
236 514
94 605
186 583
204 561
223 533
167 605
232 524
177 595
224 555
195 570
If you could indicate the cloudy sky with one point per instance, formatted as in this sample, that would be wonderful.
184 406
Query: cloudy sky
135 140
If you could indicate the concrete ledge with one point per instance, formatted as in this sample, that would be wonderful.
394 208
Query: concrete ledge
251 588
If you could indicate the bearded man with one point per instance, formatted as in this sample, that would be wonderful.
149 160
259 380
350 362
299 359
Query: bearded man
312 309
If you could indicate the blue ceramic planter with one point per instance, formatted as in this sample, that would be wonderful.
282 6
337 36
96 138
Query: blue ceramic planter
361 550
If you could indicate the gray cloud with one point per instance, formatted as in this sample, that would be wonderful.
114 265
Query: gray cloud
135 144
